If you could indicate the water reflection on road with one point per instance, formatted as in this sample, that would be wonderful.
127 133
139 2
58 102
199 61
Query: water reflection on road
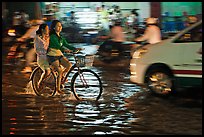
123 109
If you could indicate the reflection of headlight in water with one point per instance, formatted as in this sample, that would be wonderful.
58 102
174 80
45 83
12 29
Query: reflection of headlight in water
11 32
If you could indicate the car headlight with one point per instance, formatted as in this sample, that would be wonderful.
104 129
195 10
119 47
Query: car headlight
139 53
133 67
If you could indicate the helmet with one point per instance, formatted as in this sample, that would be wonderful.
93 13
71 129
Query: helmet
151 20
192 19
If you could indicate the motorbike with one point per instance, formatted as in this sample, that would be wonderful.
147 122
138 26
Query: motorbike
12 33
139 30
117 54
17 53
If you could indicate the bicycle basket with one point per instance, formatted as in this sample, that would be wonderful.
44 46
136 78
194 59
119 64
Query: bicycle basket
85 60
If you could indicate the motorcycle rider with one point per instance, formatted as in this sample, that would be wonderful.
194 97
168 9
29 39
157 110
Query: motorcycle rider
20 22
116 38
151 35
30 35
24 18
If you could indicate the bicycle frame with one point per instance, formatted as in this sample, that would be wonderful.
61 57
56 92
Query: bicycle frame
75 65
67 74
78 82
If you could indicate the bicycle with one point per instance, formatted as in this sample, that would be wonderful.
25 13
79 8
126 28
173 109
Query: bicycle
85 83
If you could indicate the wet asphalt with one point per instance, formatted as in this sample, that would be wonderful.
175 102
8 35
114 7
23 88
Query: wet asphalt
123 109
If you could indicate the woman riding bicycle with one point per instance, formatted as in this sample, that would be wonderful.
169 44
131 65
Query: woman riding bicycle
41 43
57 46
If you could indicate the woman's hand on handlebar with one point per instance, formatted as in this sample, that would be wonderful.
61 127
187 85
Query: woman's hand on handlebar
67 50
73 51
79 49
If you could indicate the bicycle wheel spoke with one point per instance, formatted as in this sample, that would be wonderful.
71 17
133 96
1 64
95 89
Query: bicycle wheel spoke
87 85
47 87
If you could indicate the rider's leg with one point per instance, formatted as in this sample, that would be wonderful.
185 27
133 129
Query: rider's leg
30 57
45 73
44 65
65 63
56 65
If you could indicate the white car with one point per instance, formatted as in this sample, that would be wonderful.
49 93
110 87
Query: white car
174 63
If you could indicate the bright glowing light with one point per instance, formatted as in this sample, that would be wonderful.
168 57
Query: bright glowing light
11 32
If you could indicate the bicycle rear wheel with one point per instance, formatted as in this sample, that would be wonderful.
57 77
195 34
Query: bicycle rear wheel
86 85
48 87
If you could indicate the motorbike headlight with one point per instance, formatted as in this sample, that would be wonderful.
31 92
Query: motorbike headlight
139 53
12 32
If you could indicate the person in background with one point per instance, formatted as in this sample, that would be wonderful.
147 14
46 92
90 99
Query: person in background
117 12
16 19
104 15
191 20
24 18
30 35
31 32
111 17
136 20
131 20
117 32
116 38
117 35
72 17
57 46
41 43
152 32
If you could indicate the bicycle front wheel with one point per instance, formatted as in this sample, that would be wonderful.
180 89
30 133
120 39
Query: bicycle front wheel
48 87
86 85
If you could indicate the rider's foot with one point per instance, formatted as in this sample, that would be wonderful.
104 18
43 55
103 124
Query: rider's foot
40 85
60 91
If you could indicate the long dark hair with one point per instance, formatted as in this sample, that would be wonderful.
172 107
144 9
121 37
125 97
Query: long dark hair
41 28
52 26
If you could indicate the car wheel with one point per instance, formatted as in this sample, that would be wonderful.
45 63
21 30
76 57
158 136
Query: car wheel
159 81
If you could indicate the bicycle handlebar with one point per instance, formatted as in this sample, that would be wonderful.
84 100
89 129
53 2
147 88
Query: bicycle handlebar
128 42
76 52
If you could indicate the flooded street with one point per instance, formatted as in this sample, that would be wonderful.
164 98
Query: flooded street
124 108
71 68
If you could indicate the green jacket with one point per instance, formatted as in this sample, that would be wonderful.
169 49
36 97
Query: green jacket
59 43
